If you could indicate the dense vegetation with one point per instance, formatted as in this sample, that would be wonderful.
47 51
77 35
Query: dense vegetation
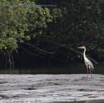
31 31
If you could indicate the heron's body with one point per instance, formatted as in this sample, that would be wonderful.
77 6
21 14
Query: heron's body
87 62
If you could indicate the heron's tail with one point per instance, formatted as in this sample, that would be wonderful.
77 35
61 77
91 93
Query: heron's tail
92 69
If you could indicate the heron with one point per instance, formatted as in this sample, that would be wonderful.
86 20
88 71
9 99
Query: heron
87 62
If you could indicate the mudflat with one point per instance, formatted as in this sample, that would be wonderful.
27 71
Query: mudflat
47 88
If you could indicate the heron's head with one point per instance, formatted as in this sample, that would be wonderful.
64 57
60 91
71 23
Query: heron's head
82 47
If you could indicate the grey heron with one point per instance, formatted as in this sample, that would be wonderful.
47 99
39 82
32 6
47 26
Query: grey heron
87 62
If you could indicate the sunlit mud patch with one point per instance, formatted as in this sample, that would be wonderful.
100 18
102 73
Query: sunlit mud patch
96 95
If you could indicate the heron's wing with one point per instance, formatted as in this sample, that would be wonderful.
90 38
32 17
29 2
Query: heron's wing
89 64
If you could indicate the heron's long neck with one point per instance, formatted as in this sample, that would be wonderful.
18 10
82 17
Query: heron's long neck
84 53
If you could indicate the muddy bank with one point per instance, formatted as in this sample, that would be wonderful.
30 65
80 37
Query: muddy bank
50 88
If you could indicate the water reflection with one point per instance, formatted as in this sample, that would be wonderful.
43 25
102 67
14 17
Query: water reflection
62 69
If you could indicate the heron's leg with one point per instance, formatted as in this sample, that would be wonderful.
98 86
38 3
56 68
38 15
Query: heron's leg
91 73
87 72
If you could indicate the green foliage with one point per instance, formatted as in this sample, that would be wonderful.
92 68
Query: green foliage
71 24
20 21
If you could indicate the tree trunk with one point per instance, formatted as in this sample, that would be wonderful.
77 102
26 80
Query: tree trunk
9 61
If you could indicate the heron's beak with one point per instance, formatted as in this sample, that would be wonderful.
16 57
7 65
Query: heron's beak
80 48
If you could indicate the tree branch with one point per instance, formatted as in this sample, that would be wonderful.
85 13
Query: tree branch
71 49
